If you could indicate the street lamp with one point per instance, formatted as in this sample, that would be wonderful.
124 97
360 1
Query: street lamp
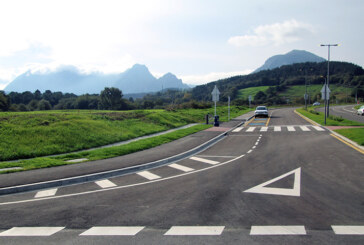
328 71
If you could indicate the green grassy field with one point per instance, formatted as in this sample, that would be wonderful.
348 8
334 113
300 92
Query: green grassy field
34 134
355 134
244 93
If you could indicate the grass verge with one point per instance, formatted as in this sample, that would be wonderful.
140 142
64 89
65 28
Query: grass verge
143 144
355 134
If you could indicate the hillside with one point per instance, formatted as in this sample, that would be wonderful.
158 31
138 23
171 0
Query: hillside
68 79
293 57
341 73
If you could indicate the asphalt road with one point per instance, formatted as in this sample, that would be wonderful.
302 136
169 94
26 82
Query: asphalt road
345 111
285 182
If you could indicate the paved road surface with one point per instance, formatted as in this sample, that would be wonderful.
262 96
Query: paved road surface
286 182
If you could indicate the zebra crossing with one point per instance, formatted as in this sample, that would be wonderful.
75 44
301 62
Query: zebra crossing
283 128
270 230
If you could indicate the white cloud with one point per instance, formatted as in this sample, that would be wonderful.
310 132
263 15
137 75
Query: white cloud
277 34
210 77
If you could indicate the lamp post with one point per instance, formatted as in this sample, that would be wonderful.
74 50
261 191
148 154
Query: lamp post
328 70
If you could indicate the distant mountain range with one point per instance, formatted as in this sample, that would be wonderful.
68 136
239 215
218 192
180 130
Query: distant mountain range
295 56
69 79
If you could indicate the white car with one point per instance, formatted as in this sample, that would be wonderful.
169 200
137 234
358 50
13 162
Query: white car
361 110
261 111
316 103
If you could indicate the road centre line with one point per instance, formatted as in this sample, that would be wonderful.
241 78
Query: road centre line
204 160
105 183
124 186
113 231
195 231
180 167
278 230
148 175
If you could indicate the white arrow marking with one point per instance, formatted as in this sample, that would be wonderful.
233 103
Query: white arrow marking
295 191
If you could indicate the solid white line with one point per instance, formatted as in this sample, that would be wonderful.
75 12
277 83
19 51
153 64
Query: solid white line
318 128
105 183
304 128
148 175
46 193
277 129
348 229
113 231
263 129
180 167
238 129
278 230
195 231
250 129
291 129
204 160
31 231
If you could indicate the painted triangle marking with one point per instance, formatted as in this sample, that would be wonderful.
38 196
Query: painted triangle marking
295 191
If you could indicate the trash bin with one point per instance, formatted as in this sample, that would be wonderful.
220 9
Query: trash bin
216 121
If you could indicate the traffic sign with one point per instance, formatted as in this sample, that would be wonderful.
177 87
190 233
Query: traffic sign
215 94
325 90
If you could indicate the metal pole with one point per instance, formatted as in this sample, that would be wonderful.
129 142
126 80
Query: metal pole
215 108
328 80
229 108
325 101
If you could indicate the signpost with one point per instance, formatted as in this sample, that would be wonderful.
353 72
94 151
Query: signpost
215 96
325 95
250 100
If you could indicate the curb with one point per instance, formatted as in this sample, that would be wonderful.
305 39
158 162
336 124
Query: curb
348 141
113 173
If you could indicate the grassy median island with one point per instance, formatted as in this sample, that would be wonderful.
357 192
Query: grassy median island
35 134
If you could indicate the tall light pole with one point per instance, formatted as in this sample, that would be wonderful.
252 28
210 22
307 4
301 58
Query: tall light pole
328 71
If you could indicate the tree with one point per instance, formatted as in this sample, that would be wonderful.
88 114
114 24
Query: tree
44 105
111 99
4 102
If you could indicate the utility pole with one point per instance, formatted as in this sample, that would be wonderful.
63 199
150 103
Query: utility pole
328 70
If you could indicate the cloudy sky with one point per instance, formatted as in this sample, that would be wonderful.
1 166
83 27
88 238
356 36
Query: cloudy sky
198 40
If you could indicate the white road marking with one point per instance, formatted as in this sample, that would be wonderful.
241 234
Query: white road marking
46 193
105 183
304 128
204 160
195 231
250 151
257 143
263 129
113 231
254 147
238 129
295 191
291 129
77 160
180 167
277 128
348 229
318 128
148 175
250 129
278 230
31 231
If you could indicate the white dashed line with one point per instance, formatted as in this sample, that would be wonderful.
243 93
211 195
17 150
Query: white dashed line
278 230
348 229
46 193
105 183
148 175
249 151
113 231
195 231
31 231
180 167
204 160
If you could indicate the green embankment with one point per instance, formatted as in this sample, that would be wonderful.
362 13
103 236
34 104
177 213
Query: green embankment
34 134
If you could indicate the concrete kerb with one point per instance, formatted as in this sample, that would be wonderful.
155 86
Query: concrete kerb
349 141
113 173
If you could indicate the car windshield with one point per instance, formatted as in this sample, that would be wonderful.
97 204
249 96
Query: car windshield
261 108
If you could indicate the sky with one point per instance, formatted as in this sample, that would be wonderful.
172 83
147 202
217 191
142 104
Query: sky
197 40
